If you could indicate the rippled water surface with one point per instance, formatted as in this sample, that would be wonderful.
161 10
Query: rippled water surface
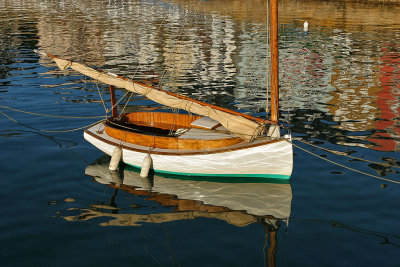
340 91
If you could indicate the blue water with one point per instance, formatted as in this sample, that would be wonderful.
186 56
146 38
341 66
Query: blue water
340 90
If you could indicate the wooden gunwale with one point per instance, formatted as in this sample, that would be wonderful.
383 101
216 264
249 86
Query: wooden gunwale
184 152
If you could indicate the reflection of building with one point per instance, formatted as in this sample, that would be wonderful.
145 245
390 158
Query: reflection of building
8 49
252 67
387 136
216 51
366 97
305 73
69 30
356 84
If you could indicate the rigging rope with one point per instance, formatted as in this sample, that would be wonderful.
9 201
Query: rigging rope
346 167
126 103
127 92
101 97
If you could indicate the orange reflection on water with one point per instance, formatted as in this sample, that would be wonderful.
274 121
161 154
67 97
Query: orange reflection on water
389 102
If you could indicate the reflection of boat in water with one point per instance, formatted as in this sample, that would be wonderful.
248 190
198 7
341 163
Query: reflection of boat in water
239 204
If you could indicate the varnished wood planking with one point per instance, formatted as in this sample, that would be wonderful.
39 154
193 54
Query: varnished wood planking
162 120
172 142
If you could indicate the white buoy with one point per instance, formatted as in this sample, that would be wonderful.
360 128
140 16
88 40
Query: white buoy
305 26
115 158
147 162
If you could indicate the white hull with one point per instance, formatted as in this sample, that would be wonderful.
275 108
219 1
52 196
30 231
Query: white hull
271 160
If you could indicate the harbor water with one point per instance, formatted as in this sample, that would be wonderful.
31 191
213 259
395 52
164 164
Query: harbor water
339 98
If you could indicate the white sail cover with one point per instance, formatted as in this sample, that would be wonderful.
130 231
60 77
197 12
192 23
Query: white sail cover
239 125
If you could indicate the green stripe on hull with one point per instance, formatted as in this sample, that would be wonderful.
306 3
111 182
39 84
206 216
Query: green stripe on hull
222 178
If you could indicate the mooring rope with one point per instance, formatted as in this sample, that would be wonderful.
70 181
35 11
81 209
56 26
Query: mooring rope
50 131
346 167
53 116
345 155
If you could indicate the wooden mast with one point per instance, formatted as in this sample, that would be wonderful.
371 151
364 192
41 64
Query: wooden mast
274 62
114 111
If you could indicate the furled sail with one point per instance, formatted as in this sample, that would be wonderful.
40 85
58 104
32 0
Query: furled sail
242 125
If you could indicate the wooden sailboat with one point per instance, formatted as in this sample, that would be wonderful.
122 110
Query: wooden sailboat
214 142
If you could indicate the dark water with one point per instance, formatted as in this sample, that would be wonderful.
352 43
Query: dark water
340 90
